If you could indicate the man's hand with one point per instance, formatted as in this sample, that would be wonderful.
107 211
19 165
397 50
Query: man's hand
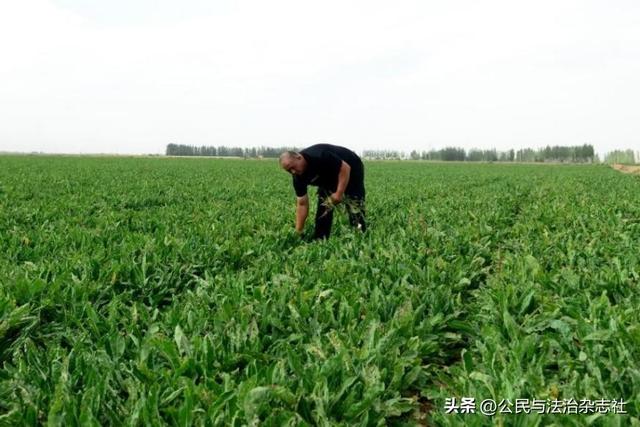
290 239
336 197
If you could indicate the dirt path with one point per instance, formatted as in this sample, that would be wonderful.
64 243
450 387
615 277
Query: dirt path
627 169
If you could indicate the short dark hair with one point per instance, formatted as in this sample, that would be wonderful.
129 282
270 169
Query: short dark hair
288 153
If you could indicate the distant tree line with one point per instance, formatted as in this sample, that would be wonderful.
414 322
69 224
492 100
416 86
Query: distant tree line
224 151
575 154
622 156
558 153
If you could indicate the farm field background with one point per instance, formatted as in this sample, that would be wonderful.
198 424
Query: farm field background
146 291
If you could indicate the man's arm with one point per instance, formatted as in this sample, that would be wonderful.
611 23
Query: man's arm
302 211
343 181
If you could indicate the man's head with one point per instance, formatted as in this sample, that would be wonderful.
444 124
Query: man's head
293 162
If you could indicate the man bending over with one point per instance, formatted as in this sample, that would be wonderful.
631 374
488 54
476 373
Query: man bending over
339 175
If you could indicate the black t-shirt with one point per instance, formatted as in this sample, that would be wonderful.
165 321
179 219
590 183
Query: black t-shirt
323 166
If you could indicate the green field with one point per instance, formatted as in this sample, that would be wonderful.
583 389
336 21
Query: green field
145 291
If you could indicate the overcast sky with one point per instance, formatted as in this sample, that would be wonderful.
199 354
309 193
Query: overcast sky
95 76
